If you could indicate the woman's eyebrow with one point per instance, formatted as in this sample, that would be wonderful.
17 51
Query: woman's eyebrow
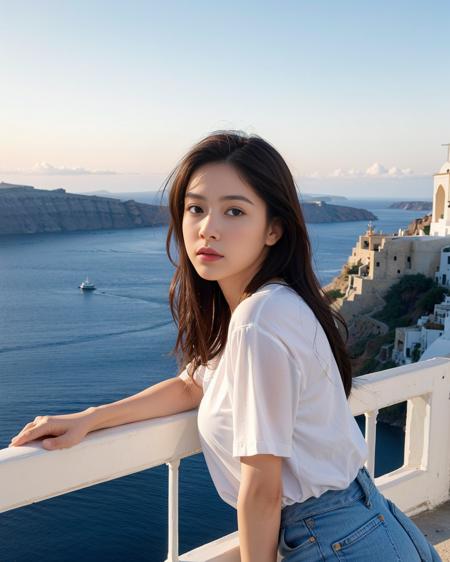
224 198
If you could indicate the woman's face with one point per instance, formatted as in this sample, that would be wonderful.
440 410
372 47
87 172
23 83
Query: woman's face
224 213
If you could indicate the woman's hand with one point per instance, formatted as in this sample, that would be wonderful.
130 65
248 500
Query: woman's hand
61 432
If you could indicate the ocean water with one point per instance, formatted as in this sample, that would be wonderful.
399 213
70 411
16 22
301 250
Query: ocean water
62 351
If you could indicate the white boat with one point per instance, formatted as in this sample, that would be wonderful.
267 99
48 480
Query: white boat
87 285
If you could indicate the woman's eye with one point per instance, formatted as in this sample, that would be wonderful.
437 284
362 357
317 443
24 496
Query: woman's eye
232 209
239 211
192 207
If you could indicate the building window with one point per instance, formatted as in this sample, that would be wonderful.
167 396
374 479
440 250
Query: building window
395 258
398 271
408 354
409 259
448 259
378 264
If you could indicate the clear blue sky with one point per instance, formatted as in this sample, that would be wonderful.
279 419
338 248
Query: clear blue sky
128 87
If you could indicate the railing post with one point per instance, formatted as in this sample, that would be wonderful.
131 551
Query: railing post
172 553
417 429
371 438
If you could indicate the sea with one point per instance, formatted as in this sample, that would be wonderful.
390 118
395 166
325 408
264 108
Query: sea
62 350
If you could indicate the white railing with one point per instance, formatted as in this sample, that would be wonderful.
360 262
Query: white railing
30 473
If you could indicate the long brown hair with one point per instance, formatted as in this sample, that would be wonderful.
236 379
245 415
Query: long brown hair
198 305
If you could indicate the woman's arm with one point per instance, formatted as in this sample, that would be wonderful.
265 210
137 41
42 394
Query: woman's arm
165 398
162 399
259 507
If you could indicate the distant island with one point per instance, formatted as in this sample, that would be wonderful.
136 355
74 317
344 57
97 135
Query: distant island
27 210
320 211
412 205
326 198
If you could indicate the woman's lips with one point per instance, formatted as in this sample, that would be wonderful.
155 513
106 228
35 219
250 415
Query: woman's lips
209 257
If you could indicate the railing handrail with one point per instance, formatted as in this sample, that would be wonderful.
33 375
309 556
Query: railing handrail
30 473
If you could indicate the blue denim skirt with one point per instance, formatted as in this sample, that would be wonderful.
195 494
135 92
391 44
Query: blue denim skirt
357 524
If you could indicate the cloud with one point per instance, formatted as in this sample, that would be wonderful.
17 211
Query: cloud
394 171
376 170
352 173
46 169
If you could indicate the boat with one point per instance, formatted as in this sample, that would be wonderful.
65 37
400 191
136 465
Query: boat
87 285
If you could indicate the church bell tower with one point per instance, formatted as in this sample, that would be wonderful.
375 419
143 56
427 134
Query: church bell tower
440 220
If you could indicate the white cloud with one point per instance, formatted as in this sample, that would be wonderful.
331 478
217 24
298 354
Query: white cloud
376 170
340 173
354 173
46 169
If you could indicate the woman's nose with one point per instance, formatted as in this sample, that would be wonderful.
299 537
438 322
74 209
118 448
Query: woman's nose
209 227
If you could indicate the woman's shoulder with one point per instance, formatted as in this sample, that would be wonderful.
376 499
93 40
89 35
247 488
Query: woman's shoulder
276 308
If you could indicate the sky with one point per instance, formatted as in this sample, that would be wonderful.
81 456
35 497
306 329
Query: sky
109 95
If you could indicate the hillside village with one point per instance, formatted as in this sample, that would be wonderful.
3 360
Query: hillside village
394 289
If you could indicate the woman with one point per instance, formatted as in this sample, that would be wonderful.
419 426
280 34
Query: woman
264 361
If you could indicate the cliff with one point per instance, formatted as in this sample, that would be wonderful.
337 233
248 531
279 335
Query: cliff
321 211
26 210
412 205
416 225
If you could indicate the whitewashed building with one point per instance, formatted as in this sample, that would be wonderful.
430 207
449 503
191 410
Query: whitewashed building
440 347
382 259
430 337
440 224
442 275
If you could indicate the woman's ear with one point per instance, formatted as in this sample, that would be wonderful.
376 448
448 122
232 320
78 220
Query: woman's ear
275 232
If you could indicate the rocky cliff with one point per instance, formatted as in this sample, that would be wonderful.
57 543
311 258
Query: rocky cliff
412 205
417 225
323 212
26 210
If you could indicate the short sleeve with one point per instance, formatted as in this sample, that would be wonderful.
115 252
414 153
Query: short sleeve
266 383
198 374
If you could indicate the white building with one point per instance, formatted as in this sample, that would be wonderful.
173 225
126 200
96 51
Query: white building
440 222
440 346
442 310
379 260
416 343
442 275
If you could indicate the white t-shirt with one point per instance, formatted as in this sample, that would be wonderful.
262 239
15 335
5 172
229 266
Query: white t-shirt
276 388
